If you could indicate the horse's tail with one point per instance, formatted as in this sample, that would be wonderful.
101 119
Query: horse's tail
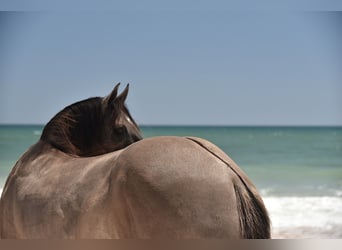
253 216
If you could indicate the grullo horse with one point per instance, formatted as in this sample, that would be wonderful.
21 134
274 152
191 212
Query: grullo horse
91 175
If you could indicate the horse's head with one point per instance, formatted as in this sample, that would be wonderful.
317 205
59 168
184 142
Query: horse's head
118 123
94 126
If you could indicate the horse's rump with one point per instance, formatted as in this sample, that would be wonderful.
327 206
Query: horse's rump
193 187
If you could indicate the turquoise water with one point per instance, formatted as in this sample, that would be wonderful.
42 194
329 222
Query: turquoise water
295 161
298 161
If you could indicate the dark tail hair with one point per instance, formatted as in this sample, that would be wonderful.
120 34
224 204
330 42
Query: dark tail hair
253 216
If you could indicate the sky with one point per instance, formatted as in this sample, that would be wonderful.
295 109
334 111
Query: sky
201 67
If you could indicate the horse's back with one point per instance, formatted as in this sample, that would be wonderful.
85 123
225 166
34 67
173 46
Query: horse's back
173 187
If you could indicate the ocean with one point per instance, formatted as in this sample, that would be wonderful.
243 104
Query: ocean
298 170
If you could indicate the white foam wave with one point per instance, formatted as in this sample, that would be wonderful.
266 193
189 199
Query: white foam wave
338 193
37 132
306 191
322 212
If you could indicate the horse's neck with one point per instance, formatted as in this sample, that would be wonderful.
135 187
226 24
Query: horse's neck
77 128
42 155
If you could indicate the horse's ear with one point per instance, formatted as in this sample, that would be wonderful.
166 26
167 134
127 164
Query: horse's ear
112 96
114 100
122 97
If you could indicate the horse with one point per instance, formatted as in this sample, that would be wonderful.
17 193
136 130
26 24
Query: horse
91 175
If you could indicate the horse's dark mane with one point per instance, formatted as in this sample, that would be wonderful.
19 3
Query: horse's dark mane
75 127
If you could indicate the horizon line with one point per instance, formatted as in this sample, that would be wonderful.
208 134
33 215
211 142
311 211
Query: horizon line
200 125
